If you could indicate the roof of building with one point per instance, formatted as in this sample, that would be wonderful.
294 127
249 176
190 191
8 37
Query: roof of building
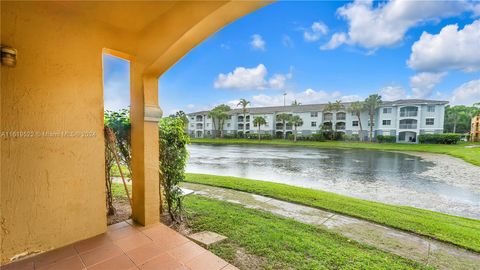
321 107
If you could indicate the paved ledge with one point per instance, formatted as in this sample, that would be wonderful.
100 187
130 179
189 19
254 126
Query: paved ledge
126 246
407 245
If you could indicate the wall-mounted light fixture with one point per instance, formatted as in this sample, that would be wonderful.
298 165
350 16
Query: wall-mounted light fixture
9 56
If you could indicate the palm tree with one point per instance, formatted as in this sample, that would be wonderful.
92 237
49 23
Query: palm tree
371 105
357 108
284 118
334 107
259 121
243 103
214 115
296 103
222 115
295 121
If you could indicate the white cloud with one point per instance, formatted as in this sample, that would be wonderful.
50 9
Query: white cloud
385 24
251 79
315 32
392 92
467 93
424 83
450 49
257 42
335 41
287 41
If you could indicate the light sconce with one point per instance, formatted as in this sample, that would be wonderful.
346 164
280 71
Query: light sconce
9 56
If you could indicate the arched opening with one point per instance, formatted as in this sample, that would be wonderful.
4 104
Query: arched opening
407 137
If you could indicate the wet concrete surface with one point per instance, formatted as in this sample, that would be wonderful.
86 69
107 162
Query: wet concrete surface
407 245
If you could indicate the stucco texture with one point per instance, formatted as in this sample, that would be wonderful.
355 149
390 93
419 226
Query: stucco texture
52 188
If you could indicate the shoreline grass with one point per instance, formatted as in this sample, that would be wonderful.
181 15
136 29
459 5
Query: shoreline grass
470 155
281 243
460 231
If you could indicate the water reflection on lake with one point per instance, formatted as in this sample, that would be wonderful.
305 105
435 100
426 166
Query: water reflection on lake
390 177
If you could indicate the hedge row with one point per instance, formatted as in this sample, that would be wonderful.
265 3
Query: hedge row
386 139
445 138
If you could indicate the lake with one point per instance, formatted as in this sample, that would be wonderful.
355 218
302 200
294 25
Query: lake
429 181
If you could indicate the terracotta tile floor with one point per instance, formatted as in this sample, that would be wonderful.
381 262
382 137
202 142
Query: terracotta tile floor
126 246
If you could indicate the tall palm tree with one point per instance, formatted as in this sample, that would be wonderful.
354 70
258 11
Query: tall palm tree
214 115
222 116
295 121
357 108
371 105
334 107
284 118
259 121
243 103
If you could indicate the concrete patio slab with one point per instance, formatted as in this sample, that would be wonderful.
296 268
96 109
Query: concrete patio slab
127 246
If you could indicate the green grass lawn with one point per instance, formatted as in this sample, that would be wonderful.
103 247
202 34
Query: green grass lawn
463 232
471 155
118 190
282 243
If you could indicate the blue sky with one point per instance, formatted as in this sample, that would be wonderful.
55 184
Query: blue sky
324 51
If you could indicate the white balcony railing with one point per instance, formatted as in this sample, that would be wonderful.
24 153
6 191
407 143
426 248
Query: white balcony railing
408 126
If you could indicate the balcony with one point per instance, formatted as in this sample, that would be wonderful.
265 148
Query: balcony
341 116
409 112
199 126
408 126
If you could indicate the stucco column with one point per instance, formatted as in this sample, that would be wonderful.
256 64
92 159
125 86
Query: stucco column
145 115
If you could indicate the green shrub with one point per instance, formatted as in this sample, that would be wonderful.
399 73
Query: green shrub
351 138
254 136
386 139
318 137
445 138
172 161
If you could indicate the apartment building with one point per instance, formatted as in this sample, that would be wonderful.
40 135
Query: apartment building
405 119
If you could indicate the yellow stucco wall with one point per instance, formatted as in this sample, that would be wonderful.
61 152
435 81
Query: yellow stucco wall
52 188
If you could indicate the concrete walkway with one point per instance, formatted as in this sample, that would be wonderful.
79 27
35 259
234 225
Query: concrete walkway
407 245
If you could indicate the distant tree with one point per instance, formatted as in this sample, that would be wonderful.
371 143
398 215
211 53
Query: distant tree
334 107
244 103
259 121
183 116
296 103
356 108
284 118
221 114
295 121
458 118
371 105
214 114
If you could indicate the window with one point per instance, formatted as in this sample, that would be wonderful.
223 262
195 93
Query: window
314 114
387 110
191 125
429 121
386 122
431 109
354 123
208 124
354 113
369 123
228 124
314 124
